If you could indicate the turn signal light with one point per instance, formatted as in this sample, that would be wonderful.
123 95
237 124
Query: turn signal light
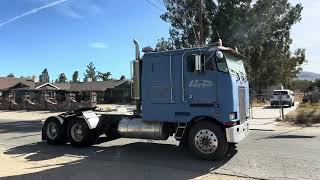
230 123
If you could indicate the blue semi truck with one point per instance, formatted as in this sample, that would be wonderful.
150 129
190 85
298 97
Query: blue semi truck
199 96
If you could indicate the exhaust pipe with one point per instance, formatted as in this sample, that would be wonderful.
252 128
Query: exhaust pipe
137 46
137 78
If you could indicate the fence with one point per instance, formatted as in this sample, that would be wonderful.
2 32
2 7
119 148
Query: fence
261 101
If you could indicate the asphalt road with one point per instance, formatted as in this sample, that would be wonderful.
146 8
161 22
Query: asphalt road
268 153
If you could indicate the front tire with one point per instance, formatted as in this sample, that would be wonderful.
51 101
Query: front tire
207 141
53 132
79 133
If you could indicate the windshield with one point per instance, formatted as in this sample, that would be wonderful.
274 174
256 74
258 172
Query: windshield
280 92
235 64
228 63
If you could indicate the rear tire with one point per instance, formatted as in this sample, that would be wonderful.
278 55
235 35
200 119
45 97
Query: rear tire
53 132
79 133
207 141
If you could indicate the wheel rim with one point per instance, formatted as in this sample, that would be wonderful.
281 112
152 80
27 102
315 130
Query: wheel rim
206 141
77 132
52 130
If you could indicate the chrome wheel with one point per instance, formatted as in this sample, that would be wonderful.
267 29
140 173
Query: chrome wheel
52 131
77 132
206 141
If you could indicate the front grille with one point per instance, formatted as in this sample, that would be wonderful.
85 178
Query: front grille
242 105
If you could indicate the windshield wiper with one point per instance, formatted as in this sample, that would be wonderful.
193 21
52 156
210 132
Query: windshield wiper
235 73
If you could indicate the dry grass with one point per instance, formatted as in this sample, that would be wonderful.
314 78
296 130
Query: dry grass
306 114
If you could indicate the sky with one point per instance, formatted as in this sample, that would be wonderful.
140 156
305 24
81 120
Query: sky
65 35
305 34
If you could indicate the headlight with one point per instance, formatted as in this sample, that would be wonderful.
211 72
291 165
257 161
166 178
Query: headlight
233 116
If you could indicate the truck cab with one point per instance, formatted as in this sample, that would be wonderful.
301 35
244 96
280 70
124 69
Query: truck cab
202 83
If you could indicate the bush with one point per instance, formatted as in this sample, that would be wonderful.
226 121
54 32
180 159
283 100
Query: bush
305 116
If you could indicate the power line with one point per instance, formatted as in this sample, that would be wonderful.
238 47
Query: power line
154 5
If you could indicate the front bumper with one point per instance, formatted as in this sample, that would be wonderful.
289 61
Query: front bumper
237 133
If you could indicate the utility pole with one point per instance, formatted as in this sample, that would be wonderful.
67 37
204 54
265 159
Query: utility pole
200 23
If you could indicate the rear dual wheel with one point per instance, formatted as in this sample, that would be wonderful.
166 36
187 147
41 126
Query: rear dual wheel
79 134
53 131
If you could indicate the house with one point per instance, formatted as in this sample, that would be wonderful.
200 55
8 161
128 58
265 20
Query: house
112 91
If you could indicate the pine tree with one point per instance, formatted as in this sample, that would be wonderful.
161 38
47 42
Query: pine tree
44 77
62 78
75 77
91 72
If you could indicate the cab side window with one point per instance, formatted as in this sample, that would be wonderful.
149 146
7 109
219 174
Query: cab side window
206 63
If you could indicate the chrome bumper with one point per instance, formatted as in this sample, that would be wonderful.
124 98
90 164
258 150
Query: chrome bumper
237 133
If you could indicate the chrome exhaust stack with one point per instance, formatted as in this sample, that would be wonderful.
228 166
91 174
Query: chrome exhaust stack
137 78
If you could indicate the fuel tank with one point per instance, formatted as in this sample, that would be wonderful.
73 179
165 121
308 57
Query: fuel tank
136 128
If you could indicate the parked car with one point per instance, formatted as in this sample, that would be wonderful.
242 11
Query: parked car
286 96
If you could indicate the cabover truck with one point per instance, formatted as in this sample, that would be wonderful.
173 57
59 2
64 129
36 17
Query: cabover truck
200 96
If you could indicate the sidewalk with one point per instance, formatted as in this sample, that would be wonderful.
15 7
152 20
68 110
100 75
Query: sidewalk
264 118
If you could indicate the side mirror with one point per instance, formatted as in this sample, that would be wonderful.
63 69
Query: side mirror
198 63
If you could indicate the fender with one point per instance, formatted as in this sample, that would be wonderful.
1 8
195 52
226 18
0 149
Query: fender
91 118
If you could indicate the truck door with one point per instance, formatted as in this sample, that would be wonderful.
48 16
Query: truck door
199 79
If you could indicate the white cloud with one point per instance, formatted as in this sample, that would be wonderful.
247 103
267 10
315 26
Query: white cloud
81 9
33 11
77 9
98 45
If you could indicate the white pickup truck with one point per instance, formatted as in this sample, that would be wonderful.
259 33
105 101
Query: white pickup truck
286 96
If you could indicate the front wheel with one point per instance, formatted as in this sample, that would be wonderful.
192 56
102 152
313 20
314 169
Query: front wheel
79 133
208 141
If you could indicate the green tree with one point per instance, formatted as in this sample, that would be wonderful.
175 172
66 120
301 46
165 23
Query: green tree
62 78
164 45
315 85
44 77
91 72
302 85
75 77
11 75
104 76
259 29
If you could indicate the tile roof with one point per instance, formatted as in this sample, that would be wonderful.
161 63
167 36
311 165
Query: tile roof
90 86
6 83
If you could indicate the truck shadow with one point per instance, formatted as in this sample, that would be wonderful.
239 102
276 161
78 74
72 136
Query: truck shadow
275 107
138 160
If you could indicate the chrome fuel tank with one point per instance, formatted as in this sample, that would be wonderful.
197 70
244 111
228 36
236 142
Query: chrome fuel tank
136 128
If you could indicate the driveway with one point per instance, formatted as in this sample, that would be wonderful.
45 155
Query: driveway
269 152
